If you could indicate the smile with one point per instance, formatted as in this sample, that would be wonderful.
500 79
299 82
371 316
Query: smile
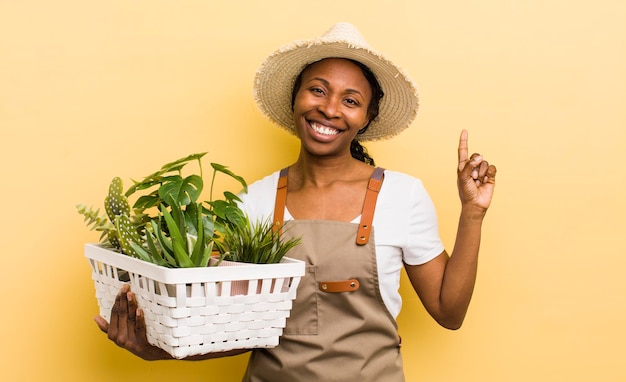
324 130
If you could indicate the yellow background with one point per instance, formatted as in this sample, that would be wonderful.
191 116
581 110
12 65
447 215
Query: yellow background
90 90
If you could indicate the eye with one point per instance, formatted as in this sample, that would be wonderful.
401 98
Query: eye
351 102
316 90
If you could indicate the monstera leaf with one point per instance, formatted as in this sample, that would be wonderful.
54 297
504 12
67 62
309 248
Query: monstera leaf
182 191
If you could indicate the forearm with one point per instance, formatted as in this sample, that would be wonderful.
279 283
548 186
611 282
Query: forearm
460 272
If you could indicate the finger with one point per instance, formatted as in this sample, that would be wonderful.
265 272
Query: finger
491 174
132 316
132 307
472 165
479 168
115 310
122 320
139 339
482 169
141 326
102 324
462 151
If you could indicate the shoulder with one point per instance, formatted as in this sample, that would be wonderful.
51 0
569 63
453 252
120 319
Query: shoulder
396 176
258 202
398 184
404 198
264 184
406 218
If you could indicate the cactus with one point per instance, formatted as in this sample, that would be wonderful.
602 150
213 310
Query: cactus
115 203
127 234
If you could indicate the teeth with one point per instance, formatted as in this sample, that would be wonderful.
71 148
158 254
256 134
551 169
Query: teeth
324 129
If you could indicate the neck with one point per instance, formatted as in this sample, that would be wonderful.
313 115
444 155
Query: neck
320 172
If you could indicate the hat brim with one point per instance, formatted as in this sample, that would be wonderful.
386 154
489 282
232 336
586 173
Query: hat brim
275 79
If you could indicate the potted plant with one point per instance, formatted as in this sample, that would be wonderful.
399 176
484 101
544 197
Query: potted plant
171 248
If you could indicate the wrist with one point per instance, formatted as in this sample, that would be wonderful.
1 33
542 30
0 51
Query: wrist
473 213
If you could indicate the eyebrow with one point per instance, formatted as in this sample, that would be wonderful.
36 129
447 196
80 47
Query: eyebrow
325 82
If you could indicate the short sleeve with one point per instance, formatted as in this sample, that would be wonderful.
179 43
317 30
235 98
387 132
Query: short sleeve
406 219
423 240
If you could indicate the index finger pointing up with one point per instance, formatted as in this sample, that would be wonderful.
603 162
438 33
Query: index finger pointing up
463 147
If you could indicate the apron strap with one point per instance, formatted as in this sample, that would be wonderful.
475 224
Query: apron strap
369 205
367 214
281 200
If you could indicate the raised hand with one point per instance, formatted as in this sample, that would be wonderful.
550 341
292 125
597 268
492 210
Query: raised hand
476 178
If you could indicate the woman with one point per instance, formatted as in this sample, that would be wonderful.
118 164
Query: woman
359 224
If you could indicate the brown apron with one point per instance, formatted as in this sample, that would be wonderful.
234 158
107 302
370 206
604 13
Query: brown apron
339 329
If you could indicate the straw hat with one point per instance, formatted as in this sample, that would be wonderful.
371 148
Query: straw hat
275 79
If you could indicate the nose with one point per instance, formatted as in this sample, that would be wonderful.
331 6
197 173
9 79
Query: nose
330 107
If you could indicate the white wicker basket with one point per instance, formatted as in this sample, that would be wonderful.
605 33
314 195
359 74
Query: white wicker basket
195 311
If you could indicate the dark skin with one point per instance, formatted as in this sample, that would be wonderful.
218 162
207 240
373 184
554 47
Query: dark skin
128 330
330 108
446 283
326 183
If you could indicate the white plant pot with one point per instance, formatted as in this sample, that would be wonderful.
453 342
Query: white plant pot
192 311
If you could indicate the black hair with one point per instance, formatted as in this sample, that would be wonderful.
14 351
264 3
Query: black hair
356 149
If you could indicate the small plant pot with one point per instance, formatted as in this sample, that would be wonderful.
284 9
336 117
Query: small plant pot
192 311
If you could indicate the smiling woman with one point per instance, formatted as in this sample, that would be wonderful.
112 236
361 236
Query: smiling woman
329 93
373 106
331 106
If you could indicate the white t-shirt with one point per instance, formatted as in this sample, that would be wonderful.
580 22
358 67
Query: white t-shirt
405 226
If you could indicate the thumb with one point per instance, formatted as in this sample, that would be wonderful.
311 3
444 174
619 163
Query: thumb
102 324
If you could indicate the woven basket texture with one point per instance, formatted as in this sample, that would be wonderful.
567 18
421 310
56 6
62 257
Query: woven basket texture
196 311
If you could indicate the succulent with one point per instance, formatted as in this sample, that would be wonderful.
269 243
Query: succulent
100 223
127 234
116 203
117 230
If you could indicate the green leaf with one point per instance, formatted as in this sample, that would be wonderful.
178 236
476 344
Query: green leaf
147 201
230 197
191 215
141 253
181 255
147 182
255 243
155 254
225 170
182 191
158 177
198 248
179 243
172 227
229 212
163 252
203 261
164 242
177 164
